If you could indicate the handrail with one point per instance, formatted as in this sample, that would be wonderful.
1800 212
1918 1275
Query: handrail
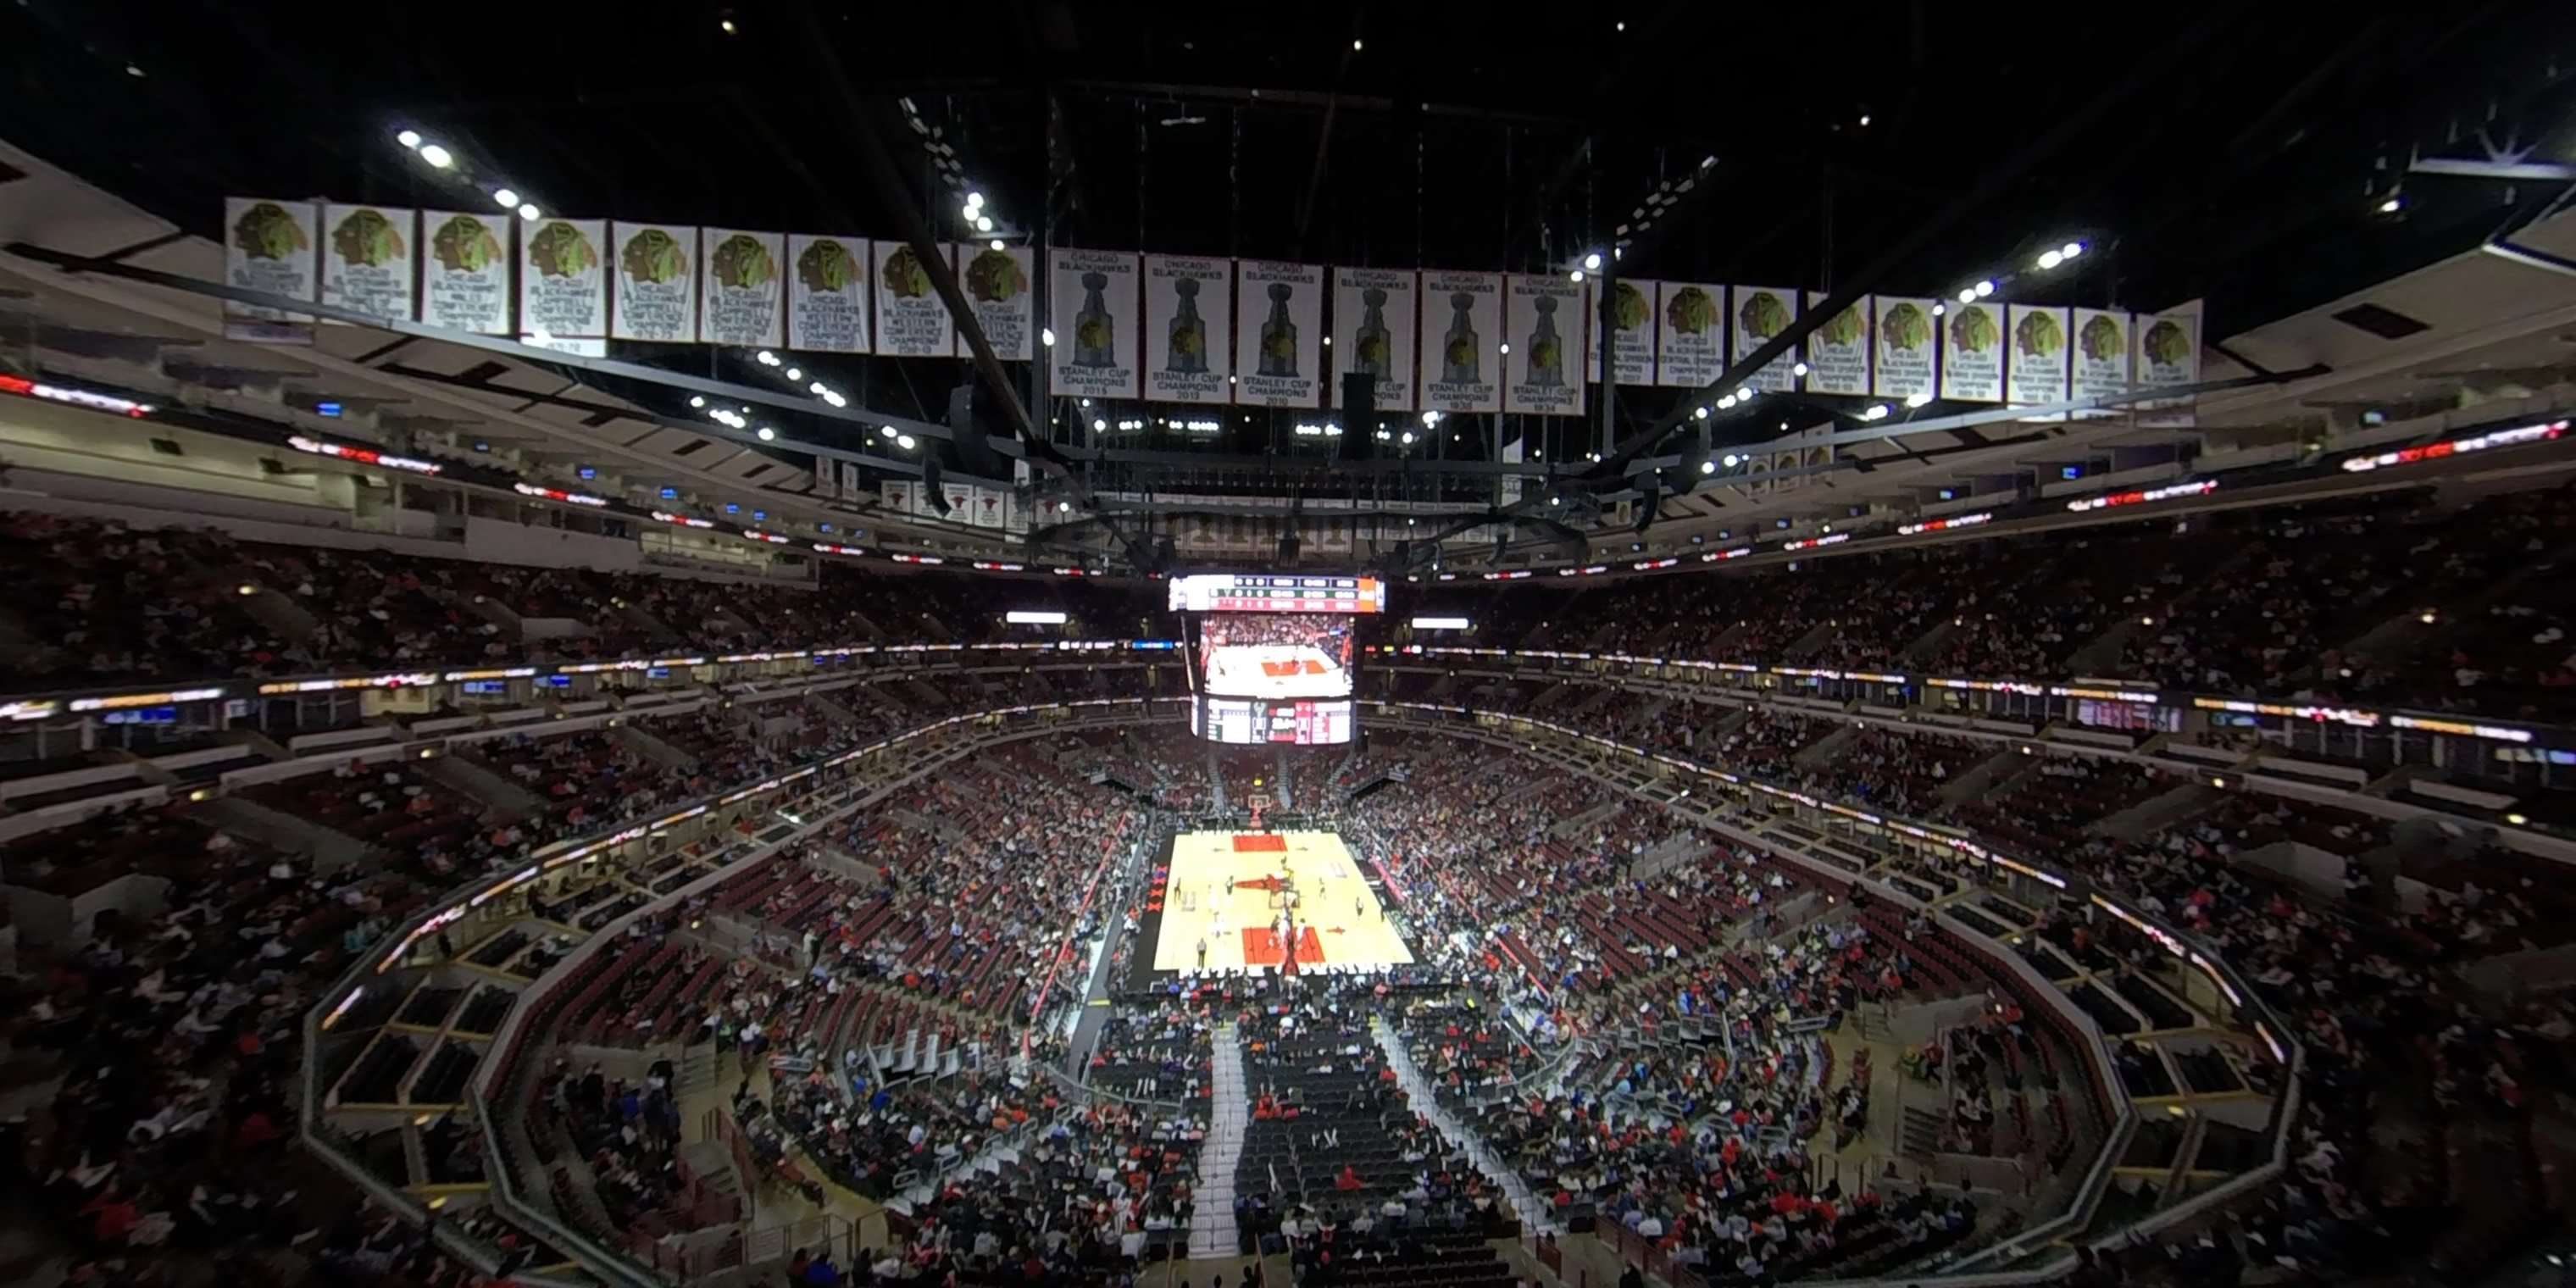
2267 1025
475 893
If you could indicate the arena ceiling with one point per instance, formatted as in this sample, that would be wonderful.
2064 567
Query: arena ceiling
2272 166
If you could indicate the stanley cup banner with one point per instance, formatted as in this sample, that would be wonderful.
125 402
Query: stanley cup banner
744 283
656 272
912 322
1904 348
1189 329
563 279
1838 351
2167 353
827 294
1278 334
996 285
368 257
1543 322
465 271
1690 341
2036 370
2101 356
1462 342
1373 331
272 247
1972 353
1633 351
1093 301
1762 312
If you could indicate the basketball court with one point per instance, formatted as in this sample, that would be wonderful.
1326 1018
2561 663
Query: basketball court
1230 890
1275 671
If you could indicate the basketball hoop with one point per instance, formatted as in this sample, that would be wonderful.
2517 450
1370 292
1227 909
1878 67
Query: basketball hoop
1259 802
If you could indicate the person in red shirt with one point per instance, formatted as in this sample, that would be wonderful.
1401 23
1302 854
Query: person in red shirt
1348 1180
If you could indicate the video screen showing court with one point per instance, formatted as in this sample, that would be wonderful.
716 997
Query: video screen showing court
1232 901
1278 656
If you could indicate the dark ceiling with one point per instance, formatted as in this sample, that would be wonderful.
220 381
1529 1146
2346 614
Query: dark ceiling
2229 151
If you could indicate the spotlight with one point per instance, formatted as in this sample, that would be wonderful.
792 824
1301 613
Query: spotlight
888 430
505 198
1938 308
1699 413
983 223
2395 203
817 388
1710 467
1967 295
528 211
1919 398
697 401
765 358
1046 337
2070 250
1985 288
1592 261
1744 395
2051 258
409 139
1732 460
974 201
767 434
439 158
1798 369
906 441
1575 276
997 243
794 373
1099 426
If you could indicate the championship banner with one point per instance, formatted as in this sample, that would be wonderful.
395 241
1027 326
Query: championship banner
2038 364
826 479
1374 327
1278 334
901 496
1972 353
2101 355
2168 353
369 257
1189 329
1462 337
563 279
465 276
1906 347
996 283
1762 312
911 320
1543 321
1690 341
827 294
272 247
854 481
1633 350
745 278
1838 351
961 501
988 507
1093 299
656 272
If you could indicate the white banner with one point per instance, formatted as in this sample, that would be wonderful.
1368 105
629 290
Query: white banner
902 496
1189 329
1093 302
1838 351
1374 331
825 479
2038 372
1762 312
1462 339
986 507
1543 321
827 294
369 254
465 272
1690 348
2168 353
1906 349
272 247
745 276
657 283
563 279
1278 334
854 481
911 321
1972 353
2101 355
961 501
1634 350
996 283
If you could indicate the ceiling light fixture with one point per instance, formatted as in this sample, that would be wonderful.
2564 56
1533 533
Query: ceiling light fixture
767 434
906 441
505 198
409 139
1592 261
528 211
439 158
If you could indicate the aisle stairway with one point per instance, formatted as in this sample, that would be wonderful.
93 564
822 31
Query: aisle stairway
1216 782
1212 1229
1534 1214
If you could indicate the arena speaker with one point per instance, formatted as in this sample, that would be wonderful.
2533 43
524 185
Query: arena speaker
931 491
1359 415
971 437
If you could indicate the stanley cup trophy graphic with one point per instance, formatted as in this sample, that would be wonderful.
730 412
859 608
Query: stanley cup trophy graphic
1375 352
1279 335
1095 336
1460 356
1189 332
1546 353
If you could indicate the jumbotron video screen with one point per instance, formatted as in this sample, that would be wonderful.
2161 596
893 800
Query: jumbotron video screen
1271 654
